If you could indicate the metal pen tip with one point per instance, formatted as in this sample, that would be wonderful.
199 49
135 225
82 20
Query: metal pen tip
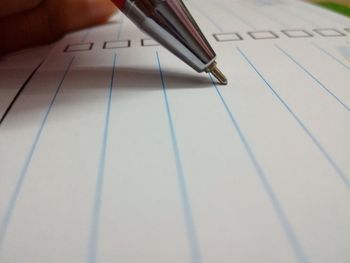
218 74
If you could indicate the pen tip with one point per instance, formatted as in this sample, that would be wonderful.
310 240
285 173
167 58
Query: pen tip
218 75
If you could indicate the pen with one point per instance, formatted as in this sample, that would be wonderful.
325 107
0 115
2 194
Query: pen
170 23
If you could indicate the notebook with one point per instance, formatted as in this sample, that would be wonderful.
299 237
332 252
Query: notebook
113 150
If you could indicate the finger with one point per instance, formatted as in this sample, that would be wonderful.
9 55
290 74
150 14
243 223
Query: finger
50 20
81 14
11 7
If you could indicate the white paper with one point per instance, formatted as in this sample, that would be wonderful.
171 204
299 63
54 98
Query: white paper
126 154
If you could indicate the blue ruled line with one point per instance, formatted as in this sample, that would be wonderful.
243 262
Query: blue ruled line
191 231
330 55
14 197
83 39
326 155
298 250
287 10
313 77
205 14
96 211
232 13
120 27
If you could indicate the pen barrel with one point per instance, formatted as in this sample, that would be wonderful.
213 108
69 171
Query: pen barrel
170 23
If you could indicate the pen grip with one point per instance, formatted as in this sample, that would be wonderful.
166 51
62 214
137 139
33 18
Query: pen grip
119 3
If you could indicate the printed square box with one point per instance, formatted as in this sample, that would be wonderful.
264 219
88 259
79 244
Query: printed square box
117 44
149 43
225 37
329 32
263 35
78 47
295 33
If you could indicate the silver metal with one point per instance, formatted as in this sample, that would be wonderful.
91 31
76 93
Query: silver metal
170 23
213 69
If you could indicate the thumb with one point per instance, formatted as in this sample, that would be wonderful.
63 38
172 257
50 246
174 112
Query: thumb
49 21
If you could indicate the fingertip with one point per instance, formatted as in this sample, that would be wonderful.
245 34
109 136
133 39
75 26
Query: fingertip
87 13
100 10
50 20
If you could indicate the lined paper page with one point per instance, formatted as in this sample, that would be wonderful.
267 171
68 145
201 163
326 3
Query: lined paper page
116 151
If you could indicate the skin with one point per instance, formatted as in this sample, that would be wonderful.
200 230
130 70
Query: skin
27 23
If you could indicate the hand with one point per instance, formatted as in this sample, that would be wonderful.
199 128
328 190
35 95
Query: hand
26 23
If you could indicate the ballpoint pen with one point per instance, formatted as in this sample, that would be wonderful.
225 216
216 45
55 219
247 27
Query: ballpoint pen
170 23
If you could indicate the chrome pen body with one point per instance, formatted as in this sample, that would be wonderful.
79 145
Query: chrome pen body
170 23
